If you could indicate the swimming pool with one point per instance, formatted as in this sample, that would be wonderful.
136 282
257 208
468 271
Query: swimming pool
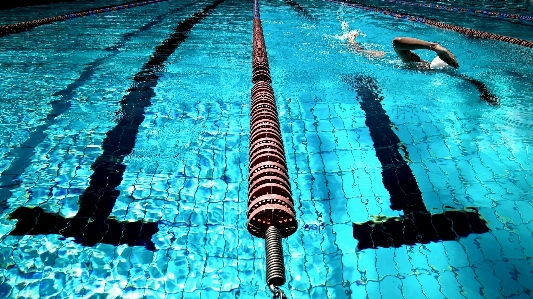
72 89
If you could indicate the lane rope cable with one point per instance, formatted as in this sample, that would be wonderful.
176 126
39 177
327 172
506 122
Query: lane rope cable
466 31
481 12
25 26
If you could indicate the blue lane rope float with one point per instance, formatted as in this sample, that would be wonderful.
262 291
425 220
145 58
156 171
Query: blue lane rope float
466 31
25 26
481 12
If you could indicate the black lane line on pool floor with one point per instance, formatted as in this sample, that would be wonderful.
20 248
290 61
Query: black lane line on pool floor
417 225
301 10
29 25
91 224
22 154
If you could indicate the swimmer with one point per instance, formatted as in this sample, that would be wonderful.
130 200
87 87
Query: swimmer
354 45
404 46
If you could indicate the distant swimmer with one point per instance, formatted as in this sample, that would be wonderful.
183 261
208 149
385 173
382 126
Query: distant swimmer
404 47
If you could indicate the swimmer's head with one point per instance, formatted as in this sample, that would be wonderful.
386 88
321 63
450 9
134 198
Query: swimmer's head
353 34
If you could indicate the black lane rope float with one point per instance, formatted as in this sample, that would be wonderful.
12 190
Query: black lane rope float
466 31
271 212
480 12
25 26
92 224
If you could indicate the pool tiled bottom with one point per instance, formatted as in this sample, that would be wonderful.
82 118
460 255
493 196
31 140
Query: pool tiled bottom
204 251
188 174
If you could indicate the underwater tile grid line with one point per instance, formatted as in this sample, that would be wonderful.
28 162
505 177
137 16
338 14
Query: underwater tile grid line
187 173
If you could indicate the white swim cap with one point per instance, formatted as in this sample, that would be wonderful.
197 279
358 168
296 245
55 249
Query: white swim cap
437 63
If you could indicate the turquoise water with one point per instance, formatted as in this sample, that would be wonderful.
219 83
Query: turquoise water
62 89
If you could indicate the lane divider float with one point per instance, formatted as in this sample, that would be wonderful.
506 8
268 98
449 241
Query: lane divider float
271 212
25 26
463 30
481 12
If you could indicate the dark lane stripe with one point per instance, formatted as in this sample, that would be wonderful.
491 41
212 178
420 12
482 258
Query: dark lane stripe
25 26
91 224
417 225
22 153
398 178
301 10
99 197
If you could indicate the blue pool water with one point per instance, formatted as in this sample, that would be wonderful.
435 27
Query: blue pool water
67 86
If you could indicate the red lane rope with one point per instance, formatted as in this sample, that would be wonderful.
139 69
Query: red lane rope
25 26
481 12
269 196
463 30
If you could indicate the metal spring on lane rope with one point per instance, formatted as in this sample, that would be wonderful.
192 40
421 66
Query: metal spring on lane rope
274 257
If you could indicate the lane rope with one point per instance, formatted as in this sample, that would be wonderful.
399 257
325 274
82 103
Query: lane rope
25 26
481 12
463 30
271 213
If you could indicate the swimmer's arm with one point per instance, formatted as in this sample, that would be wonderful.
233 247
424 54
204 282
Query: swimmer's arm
409 43
357 47
404 45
